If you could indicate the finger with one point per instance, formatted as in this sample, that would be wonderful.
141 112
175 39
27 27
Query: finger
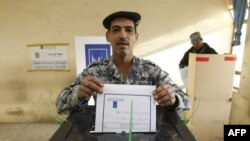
165 95
158 89
167 100
161 91
84 92
93 84
95 80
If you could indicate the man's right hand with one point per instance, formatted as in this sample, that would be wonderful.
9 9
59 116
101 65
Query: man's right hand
90 85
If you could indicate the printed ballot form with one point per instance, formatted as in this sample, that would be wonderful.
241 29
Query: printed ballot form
114 111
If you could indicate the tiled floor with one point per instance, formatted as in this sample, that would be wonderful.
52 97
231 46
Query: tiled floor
27 132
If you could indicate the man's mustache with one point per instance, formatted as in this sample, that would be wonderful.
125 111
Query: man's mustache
122 41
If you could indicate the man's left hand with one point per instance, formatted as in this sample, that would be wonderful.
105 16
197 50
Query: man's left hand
164 95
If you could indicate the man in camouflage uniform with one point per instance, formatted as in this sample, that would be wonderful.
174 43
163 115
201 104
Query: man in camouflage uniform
122 68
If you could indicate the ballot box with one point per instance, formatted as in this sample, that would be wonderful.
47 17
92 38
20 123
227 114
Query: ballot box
210 85
80 124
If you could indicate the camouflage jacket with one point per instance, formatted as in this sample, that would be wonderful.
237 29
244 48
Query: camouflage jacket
142 72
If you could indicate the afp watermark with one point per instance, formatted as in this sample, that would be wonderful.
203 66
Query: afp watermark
236 132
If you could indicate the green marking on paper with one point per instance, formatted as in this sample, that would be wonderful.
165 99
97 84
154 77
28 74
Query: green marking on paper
131 122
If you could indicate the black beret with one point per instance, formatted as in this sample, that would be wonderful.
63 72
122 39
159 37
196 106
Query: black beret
134 16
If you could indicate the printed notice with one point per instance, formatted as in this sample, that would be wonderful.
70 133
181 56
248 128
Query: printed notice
49 57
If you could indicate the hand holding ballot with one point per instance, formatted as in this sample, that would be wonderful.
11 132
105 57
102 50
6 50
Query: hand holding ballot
89 86
164 95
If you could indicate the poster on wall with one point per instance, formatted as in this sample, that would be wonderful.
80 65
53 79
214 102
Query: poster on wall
89 49
95 52
49 56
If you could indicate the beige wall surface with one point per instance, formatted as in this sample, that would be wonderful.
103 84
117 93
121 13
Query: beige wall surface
30 96
240 112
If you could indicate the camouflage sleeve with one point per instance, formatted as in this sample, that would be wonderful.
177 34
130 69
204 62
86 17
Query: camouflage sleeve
183 100
67 98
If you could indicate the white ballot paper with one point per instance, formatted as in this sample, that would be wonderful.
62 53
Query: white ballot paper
113 109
